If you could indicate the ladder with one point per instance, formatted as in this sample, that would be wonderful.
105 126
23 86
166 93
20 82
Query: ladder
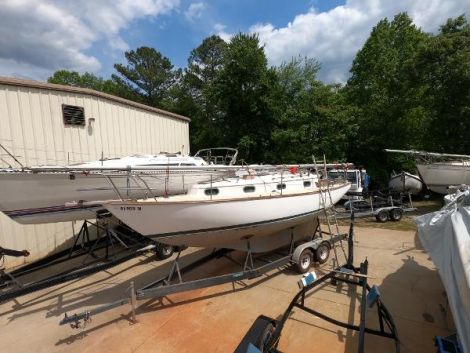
328 207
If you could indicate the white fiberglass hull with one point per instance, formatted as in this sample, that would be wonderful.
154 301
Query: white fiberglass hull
406 182
34 198
439 176
224 223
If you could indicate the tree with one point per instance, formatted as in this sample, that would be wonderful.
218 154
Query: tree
73 78
89 80
312 118
387 103
442 70
198 92
243 92
148 74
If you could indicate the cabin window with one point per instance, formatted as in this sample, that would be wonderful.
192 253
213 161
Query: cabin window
307 184
249 189
281 186
211 191
73 115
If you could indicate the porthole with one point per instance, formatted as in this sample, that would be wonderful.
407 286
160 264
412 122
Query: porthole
307 184
281 186
249 188
211 191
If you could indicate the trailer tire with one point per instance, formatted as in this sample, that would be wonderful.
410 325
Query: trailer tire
396 214
305 261
382 216
265 338
322 253
163 251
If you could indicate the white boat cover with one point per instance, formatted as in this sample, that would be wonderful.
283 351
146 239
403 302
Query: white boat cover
445 235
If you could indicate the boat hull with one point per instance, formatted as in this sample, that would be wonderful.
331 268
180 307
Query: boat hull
224 223
34 198
406 182
439 176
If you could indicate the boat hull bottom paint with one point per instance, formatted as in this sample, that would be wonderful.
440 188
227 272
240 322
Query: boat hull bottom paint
263 238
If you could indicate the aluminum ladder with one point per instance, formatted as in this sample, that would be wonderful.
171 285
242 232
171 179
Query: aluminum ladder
328 207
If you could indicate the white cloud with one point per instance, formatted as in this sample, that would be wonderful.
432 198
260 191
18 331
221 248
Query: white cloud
195 11
38 37
335 36
219 29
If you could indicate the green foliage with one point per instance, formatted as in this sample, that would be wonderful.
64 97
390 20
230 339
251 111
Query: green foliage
89 80
312 118
148 74
199 92
243 94
387 103
442 71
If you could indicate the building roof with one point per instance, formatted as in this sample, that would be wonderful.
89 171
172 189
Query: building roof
91 92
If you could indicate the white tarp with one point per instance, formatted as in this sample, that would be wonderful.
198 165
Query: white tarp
445 235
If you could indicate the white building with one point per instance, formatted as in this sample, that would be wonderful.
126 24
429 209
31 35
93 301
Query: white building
37 127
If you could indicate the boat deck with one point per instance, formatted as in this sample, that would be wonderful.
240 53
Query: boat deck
215 319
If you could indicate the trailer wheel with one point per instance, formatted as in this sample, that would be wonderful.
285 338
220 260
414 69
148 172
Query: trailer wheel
265 338
382 216
396 214
163 251
305 261
322 253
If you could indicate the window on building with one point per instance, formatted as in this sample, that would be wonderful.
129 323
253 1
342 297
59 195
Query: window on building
73 115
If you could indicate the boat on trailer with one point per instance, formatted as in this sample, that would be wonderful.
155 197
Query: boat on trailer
234 213
440 170
405 182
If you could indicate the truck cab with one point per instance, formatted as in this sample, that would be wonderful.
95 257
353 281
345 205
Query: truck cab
357 177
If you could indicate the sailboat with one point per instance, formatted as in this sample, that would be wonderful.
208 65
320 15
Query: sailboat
405 182
440 170
258 211
48 194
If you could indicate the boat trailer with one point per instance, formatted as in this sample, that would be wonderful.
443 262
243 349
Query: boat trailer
317 248
265 333
96 247
383 207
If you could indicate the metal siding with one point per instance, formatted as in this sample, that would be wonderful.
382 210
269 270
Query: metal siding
31 126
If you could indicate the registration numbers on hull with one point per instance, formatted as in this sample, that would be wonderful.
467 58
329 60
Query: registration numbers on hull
131 208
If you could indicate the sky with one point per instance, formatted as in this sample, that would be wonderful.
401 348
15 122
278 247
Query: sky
38 37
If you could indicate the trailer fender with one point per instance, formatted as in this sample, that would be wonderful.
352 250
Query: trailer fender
298 250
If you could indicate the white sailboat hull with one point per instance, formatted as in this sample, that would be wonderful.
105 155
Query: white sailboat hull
406 182
34 198
439 176
225 223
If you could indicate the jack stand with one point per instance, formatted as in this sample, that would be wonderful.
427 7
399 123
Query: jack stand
249 258
291 247
133 302
175 267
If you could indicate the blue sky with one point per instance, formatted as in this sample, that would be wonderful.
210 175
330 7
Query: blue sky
38 37
175 35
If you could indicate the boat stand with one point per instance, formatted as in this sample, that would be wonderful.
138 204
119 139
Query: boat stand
112 246
265 333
